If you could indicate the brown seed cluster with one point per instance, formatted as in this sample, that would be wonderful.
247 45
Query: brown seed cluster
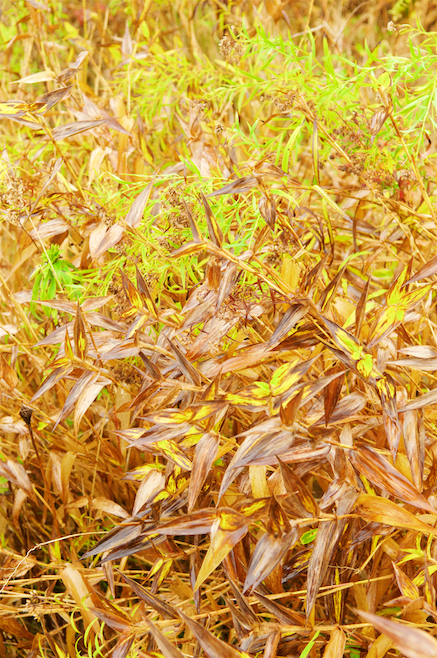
14 194
198 106
231 49
282 102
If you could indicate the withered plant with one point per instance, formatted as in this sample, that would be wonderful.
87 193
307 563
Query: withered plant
218 322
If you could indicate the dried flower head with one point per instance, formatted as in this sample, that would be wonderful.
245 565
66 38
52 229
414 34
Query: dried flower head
231 49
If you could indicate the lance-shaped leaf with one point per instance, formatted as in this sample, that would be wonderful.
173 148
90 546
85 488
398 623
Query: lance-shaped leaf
214 230
45 103
189 248
258 444
345 410
109 239
80 337
173 452
118 536
429 269
135 214
143 289
124 643
131 292
355 353
319 561
287 375
226 284
193 225
375 509
377 121
237 186
412 642
227 530
164 644
267 208
212 646
379 471
298 490
332 393
285 616
111 619
406 586
52 379
269 550
336 644
7 373
195 523
86 398
166 610
330 290
361 309
414 442
289 320
69 129
387 393
14 472
422 401
187 369
204 455
252 398
85 380
394 313
242 602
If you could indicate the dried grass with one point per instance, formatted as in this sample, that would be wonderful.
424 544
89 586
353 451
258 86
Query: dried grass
217 323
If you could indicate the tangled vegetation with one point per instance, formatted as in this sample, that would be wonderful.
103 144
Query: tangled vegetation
218 329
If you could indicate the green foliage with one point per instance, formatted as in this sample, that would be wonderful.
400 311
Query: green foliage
52 275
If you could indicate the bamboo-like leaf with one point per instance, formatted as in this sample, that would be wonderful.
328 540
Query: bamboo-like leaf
86 398
124 643
212 646
375 509
186 368
332 393
41 76
361 309
412 642
299 491
427 270
289 320
189 248
85 380
110 238
336 644
227 530
69 129
238 186
7 373
80 337
45 103
135 214
285 616
204 455
167 648
379 471
330 290
414 447
323 548
269 550
267 208
406 586
165 609
214 229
